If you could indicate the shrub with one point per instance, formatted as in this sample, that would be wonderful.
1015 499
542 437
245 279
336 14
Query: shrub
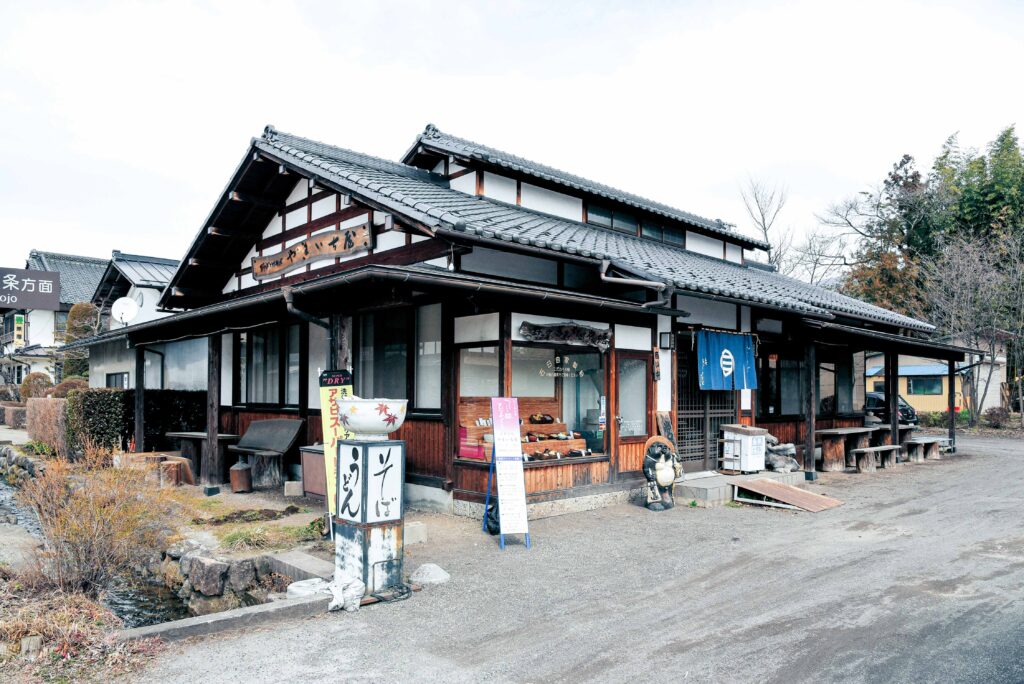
997 417
45 423
34 385
14 416
94 417
67 377
99 521
61 391
38 448
8 393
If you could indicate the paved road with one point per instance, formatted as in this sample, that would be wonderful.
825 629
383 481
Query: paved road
918 577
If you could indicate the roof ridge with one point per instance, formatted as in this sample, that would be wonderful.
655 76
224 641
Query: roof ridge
123 256
61 255
432 132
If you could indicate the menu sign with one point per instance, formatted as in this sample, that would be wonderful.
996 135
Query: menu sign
508 466
21 289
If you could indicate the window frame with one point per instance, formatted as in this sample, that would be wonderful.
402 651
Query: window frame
125 380
910 385
648 359
240 391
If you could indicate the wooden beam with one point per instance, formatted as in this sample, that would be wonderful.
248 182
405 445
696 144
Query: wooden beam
951 403
339 355
810 409
211 468
140 399
251 199
209 263
226 232
189 292
281 170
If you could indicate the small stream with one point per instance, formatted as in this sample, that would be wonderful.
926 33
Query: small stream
137 604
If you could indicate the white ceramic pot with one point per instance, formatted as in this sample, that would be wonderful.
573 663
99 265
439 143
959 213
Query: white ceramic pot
371 419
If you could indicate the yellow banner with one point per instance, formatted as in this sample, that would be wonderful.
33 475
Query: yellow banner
333 385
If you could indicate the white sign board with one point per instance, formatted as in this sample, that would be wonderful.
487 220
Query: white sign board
384 479
508 466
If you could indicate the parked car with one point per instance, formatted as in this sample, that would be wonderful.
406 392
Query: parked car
874 402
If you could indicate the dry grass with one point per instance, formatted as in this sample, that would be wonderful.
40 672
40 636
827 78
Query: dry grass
248 537
77 635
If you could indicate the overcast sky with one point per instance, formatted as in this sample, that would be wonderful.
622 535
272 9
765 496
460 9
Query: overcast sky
121 122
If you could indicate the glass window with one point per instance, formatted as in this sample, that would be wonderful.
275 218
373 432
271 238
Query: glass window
675 236
931 384
781 383
599 216
117 380
651 230
624 223
60 321
383 356
791 387
292 387
478 372
633 376
533 372
262 371
428 357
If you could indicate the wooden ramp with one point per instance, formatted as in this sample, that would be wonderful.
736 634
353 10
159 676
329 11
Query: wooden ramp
784 496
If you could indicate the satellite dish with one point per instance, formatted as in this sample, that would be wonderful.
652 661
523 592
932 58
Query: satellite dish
124 310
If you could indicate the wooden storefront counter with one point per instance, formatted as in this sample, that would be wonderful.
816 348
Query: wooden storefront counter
544 479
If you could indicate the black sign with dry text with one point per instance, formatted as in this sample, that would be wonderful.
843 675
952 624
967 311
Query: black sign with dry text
21 289
323 246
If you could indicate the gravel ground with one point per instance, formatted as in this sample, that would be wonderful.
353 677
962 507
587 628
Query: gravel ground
919 577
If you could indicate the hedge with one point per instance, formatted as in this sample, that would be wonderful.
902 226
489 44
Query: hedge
45 422
9 393
94 417
14 417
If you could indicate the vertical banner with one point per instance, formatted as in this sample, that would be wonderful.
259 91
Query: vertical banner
333 385
508 466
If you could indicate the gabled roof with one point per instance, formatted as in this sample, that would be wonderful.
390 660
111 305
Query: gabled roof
428 201
79 275
127 270
432 138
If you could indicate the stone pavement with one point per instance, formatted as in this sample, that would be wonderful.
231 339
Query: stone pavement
9 435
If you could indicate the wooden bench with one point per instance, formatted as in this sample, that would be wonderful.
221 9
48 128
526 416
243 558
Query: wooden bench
925 448
866 457
264 445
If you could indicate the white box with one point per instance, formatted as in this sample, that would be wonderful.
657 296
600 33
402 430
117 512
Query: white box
743 448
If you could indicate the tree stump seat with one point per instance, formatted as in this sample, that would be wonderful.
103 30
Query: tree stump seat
924 448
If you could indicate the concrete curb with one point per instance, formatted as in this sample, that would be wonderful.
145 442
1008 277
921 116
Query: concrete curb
250 616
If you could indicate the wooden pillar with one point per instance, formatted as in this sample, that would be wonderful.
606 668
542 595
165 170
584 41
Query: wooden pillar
339 348
810 408
951 403
211 468
892 393
140 399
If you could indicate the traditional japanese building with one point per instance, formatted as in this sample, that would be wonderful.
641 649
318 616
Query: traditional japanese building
461 272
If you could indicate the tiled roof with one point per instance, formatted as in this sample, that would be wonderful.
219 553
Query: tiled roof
144 271
79 275
433 138
425 198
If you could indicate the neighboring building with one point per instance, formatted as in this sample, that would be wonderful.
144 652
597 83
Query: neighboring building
175 365
438 279
44 330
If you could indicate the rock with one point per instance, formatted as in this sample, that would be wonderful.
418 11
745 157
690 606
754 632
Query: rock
293 488
187 558
262 564
428 573
309 587
32 646
203 605
415 532
242 575
276 596
179 549
207 575
12 519
170 571
256 596
186 590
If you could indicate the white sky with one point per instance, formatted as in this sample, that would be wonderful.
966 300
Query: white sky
121 122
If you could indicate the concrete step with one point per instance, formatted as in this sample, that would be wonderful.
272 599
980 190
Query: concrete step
717 490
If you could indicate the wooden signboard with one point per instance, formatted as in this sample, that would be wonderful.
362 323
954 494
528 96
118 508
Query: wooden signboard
322 246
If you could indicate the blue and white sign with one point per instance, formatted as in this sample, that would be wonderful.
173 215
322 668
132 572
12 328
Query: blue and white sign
725 361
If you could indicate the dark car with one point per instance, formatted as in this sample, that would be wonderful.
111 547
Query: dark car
874 402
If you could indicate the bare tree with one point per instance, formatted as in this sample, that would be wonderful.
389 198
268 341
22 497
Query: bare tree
1012 258
966 289
763 204
821 257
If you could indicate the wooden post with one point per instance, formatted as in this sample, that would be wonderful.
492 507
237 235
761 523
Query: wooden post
140 399
810 407
892 387
211 467
339 349
951 404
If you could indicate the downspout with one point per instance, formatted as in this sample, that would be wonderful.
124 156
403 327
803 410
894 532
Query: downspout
289 301
665 301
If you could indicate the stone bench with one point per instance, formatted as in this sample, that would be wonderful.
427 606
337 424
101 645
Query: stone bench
924 448
866 457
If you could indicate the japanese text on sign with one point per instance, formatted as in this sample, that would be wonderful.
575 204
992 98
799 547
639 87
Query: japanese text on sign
508 466
26 289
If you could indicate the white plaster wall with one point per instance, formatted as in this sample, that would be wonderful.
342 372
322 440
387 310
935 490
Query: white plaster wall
466 184
479 328
40 328
273 228
325 206
550 202
299 191
702 244
707 312
733 253
419 238
632 337
499 187
391 239
147 297
110 357
664 401
295 218
231 286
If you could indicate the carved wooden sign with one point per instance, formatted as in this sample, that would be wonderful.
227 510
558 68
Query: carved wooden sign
323 246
